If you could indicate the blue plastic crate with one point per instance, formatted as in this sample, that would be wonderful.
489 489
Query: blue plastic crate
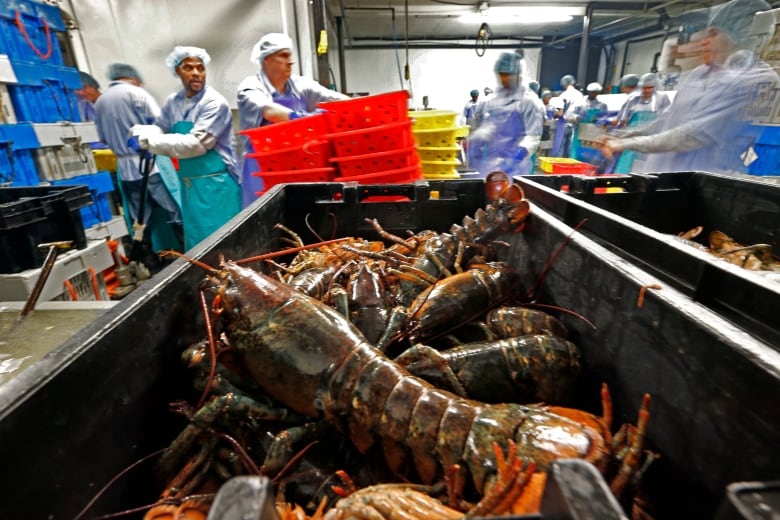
17 164
28 31
767 149
45 93
100 187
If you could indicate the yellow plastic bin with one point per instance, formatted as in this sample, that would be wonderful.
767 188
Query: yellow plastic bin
439 137
438 153
105 160
440 169
430 119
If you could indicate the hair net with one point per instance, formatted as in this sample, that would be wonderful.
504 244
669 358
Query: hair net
546 93
534 85
736 17
648 80
507 63
567 80
122 70
474 93
180 53
629 80
269 44
88 81
594 87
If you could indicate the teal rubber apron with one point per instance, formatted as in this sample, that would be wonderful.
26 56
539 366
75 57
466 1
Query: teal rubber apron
209 195
625 162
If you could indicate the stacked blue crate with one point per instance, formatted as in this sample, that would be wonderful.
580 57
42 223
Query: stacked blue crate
100 186
767 149
27 31
17 165
45 93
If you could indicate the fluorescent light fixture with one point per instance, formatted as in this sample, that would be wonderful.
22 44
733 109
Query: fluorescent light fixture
523 14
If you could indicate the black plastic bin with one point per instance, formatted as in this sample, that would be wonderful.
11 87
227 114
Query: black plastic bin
98 403
641 223
38 214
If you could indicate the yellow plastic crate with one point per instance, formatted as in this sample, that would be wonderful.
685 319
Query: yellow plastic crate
105 160
439 137
429 119
564 165
442 176
437 169
438 153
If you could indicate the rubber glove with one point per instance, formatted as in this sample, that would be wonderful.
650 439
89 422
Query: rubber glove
135 144
521 154
297 114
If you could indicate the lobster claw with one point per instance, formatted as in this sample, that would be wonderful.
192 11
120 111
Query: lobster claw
498 185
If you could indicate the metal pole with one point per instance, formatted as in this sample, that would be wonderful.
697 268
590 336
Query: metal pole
342 61
582 66
318 17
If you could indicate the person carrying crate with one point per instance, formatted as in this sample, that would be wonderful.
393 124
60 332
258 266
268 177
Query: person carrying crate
272 95
196 127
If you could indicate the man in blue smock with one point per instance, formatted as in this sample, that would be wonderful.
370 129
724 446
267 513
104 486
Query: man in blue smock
273 95
88 94
705 128
510 127
195 126
123 105
646 101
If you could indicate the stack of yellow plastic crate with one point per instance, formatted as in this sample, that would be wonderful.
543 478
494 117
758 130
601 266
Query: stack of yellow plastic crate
435 135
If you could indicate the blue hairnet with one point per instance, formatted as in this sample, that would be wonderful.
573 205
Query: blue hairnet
546 93
736 17
534 85
122 70
474 92
567 80
648 80
88 81
269 44
181 52
629 80
507 63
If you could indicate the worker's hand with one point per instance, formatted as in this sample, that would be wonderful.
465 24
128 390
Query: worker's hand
145 130
521 154
609 145
297 114
134 144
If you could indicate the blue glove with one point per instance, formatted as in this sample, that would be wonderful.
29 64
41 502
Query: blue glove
297 114
134 144
521 154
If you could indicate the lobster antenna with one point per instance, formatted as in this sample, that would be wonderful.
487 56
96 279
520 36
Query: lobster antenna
533 293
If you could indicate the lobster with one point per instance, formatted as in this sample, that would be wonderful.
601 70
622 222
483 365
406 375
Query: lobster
308 356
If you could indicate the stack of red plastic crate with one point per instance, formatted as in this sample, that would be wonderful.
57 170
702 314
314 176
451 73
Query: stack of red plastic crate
292 151
371 139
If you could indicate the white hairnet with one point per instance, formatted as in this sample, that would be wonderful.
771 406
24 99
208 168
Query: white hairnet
269 44
594 87
181 52
648 80
736 17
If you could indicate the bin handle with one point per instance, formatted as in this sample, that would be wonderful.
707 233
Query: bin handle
54 95
20 25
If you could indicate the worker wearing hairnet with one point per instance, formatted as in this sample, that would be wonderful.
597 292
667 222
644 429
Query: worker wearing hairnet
705 127
272 95
571 98
628 83
646 101
590 109
87 94
123 105
467 118
196 126
511 124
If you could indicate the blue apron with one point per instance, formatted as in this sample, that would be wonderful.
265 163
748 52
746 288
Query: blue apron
251 185
209 195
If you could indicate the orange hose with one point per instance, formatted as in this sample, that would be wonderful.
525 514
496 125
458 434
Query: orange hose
20 25
94 280
71 290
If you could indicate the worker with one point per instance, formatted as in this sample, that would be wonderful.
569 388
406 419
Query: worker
549 111
534 87
123 105
646 101
467 117
511 125
704 128
196 127
628 83
571 98
87 94
590 108
272 95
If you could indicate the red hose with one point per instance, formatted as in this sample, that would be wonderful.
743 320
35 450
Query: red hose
20 25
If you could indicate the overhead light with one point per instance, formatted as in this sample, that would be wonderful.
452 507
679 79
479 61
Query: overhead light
524 14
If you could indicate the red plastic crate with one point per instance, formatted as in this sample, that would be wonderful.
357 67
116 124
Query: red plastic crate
376 162
366 111
408 174
395 136
311 175
312 154
286 134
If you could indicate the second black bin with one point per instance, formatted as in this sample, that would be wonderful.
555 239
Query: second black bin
99 403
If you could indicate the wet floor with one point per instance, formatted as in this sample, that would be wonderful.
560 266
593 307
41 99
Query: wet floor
50 325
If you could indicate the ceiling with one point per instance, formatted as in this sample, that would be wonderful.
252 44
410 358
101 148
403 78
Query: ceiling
435 23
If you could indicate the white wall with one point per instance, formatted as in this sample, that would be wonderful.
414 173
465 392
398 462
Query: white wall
639 59
143 33
446 76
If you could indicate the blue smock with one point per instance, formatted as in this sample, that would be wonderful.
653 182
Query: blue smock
508 120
